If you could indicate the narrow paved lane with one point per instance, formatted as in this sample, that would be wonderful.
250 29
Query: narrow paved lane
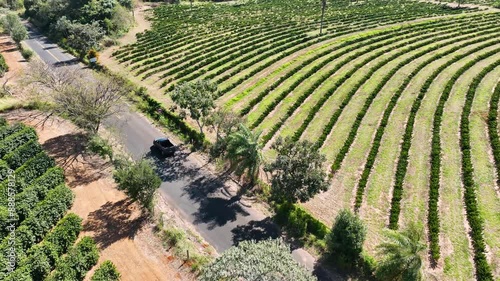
198 195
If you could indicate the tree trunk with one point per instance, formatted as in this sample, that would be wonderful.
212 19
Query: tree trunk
322 16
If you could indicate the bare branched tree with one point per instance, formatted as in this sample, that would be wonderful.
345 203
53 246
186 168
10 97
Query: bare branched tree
83 97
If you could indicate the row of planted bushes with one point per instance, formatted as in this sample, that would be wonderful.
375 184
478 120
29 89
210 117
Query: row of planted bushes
483 270
79 260
207 55
39 222
493 128
402 164
41 259
298 221
352 134
392 103
285 43
433 213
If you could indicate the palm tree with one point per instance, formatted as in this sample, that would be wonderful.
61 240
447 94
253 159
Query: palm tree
244 152
401 255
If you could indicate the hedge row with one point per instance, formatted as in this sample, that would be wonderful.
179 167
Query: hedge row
79 260
299 222
483 270
16 158
493 128
42 258
13 141
402 164
6 131
40 220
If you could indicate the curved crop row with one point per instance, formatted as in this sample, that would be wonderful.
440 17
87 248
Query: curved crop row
483 270
493 128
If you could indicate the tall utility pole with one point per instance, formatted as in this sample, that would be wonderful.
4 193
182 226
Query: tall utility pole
323 7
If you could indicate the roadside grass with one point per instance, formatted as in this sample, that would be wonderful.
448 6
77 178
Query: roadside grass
485 173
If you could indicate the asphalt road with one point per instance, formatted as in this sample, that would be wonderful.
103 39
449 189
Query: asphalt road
197 195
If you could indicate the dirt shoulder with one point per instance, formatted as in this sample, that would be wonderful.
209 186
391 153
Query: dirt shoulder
124 235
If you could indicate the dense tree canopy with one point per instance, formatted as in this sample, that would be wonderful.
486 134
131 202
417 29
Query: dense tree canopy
268 260
297 172
244 152
345 241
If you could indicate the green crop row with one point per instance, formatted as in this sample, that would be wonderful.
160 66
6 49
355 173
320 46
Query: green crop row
79 260
42 258
15 140
6 131
16 158
483 269
402 164
493 128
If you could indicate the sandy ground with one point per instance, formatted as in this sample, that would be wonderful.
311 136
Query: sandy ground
124 235
13 58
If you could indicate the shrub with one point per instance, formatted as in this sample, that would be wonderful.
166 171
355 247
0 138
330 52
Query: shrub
27 54
298 221
80 258
16 158
100 147
106 272
345 241
139 180
13 141
3 66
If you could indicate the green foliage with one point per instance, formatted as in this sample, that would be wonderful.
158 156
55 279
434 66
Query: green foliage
23 153
27 54
197 98
401 255
345 241
297 173
298 222
13 141
80 259
3 66
244 152
100 146
255 261
106 272
139 180
12 24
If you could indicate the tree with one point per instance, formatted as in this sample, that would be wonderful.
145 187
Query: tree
345 241
13 25
84 37
297 173
323 8
401 255
223 122
86 100
268 260
139 180
198 98
244 152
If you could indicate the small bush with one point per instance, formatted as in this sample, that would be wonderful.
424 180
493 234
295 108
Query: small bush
3 66
106 272
100 147
27 54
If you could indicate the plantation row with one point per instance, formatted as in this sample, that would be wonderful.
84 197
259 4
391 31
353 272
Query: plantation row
36 237
188 56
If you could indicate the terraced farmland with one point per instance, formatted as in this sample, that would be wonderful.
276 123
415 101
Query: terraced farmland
404 108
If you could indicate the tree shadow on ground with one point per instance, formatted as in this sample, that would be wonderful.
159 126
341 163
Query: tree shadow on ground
115 221
69 150
216 211
256 230
172 168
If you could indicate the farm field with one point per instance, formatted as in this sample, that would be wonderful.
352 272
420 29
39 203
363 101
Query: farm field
401 97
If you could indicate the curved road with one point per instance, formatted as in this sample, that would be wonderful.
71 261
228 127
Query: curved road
199 196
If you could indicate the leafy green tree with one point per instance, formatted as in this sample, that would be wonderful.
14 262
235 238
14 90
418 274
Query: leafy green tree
139 180
106 272
244 153
223 122
83 37
401 255
12 24
197 98
268 260
345 241
297 172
